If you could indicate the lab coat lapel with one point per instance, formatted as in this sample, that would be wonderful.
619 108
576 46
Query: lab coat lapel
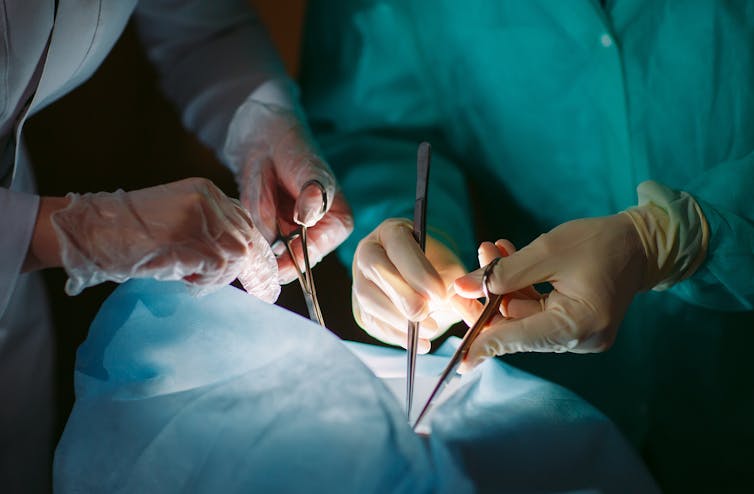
76 23
29 24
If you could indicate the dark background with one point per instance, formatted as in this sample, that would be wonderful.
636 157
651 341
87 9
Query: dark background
118 131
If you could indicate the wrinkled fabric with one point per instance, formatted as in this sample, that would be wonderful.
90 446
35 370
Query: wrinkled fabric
546 111
512 431
211 55
224 393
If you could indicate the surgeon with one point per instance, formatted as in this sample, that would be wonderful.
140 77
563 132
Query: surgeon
218 66
613 144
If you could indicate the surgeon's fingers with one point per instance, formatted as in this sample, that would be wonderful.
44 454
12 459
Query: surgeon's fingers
488 251
373 301
201 262
398 338
468 308
315 197
386 333
322 239
529 334
506 248
258 186
472 287
373 263
396 237
518 271
559 326
334 227
305 176
511 307
516 307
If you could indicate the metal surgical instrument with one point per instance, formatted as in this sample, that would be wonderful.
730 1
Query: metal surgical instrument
423 156
491 307
305 279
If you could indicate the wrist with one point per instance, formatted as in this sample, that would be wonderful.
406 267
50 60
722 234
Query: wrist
673 232
44 249
261 122
278 91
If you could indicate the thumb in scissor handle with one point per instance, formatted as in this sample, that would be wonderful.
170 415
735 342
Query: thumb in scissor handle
311 204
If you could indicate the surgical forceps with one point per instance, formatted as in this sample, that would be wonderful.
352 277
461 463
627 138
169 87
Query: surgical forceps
305 279
423 155
491 307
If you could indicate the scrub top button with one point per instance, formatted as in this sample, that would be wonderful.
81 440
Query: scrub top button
606 40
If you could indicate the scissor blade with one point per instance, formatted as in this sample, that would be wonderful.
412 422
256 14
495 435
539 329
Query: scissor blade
305 278
490 309
311 307
411 348
445 377
310 292
423 156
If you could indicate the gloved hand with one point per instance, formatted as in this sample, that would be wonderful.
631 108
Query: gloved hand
595 266
276 164
186 230
394 282
516 304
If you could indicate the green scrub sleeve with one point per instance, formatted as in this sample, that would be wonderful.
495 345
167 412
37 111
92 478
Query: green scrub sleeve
725 280
368 91
378 176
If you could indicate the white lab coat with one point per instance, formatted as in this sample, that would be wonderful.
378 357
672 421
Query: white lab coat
211 54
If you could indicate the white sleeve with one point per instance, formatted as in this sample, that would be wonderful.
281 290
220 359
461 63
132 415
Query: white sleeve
211 55
18 215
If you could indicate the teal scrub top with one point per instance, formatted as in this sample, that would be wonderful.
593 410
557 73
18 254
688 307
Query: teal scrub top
540 112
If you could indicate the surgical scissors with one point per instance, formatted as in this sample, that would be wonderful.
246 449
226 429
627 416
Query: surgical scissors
491 307
305 279
423 156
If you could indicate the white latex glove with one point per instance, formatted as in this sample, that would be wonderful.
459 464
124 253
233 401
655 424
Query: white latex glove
595 266
186 230
394 282
276 161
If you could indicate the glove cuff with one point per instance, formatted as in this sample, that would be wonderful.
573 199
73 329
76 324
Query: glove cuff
281 92
673 232
68 224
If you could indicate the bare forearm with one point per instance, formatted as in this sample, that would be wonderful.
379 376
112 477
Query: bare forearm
44 251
